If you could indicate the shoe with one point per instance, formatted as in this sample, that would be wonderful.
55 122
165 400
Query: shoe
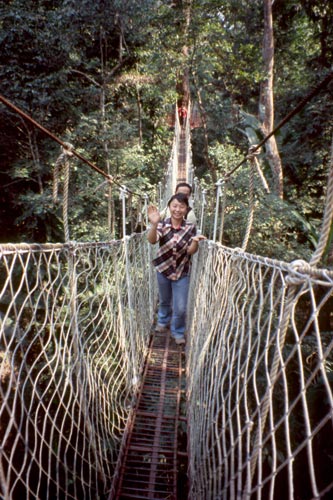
180 340
161 328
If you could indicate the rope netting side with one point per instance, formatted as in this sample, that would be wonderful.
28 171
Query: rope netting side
260 377
68 373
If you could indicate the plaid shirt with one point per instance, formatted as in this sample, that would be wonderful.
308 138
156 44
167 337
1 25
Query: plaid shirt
172 258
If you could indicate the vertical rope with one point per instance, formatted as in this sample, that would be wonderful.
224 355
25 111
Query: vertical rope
146 209
203 206
4 486
126 240
130 212
56 170
123 192
251 206
224 200
65 200
63 161
217 207
139 215
110 212
327 218
135 377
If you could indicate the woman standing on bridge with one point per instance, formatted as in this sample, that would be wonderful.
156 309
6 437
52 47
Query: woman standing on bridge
177 242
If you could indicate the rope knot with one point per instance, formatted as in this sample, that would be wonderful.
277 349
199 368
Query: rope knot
253 152
236 251
67 149
297 266
239 249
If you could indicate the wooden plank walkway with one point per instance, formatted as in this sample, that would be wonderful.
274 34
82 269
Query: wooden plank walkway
182 173
153 465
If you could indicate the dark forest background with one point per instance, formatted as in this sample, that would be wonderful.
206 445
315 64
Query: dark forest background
105 77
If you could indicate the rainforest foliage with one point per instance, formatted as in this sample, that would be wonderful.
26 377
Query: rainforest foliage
104 76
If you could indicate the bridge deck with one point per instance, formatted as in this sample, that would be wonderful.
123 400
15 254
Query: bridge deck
153 467
182 173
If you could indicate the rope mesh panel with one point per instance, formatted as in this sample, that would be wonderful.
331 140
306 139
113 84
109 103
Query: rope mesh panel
260 378
74 323
67 369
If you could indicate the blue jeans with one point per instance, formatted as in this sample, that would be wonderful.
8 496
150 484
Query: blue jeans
172 303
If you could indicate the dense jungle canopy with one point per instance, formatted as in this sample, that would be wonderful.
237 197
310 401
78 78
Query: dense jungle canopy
105 77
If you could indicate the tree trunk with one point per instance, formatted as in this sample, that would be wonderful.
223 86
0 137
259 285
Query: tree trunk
186 79
209 163
266 106
103 87
183 81
139 105
34 150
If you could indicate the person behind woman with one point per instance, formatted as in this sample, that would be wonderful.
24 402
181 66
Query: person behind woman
182 187
177 242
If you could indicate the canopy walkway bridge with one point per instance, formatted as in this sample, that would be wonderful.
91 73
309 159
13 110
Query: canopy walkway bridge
96 405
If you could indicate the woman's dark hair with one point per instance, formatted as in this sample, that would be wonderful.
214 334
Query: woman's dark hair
181 197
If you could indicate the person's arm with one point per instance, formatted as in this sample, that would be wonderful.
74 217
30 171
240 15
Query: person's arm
152 235
154 218
193 247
